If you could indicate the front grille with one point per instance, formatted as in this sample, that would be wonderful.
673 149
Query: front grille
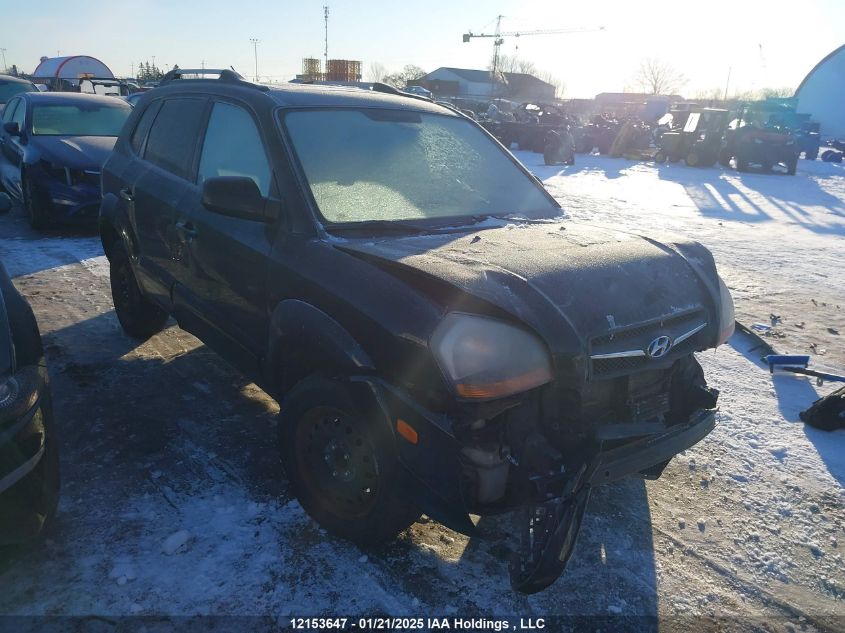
673 322
637 338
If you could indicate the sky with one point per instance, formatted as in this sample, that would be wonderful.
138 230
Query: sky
761 44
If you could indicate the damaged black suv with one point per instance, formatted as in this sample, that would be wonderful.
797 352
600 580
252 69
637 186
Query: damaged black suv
439 337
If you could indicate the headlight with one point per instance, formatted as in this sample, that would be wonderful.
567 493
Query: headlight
18 393
727 318
8 390
484 358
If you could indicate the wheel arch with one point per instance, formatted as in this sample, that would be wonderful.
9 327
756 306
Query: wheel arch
304 340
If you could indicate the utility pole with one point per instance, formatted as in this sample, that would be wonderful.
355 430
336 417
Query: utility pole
3 51
326 21
202 63
132 70
255 50
497 42
728 82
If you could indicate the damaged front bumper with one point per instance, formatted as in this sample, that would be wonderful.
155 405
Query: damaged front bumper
553 503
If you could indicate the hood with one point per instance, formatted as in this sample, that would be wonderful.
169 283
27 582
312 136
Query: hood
556 276
75 152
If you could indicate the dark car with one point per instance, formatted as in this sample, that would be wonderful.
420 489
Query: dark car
53 146
440 340
10 86
29 458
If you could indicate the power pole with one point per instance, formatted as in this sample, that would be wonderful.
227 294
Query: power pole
3 51
326 21
728 82
255 50
202 63
132 70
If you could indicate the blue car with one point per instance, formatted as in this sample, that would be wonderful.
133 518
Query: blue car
52 147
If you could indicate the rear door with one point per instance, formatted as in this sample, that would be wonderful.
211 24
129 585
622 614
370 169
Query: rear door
224 280
160 186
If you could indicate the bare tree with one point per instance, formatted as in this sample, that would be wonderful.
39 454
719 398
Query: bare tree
376 72
783 91
513 64
658 77
401 79
551 78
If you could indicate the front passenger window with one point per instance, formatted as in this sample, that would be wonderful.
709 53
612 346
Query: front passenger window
233 147
9 112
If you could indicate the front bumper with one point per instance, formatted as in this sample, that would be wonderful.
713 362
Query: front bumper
28 475
78 203
435 463
637 457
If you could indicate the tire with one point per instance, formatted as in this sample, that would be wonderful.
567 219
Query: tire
791 166
725 157
342 464
33 206
660 156
741 164
693 159
812 154
139 317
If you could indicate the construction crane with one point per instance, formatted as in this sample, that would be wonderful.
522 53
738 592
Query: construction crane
498 38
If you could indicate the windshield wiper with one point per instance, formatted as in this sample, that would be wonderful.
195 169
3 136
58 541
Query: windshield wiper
378 226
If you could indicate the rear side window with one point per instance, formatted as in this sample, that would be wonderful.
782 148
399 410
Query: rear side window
233 147
19 116
173 136
143 126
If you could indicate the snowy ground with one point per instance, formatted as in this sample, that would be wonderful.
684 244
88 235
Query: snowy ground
174 503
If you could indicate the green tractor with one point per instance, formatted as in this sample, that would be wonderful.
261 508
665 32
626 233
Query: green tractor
700 140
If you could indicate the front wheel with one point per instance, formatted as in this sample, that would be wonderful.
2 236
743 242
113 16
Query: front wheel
342 464
34 205
792 166
139 317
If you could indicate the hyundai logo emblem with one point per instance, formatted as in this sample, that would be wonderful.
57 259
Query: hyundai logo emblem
659 347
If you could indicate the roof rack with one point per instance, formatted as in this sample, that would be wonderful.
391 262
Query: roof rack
388 89
228 75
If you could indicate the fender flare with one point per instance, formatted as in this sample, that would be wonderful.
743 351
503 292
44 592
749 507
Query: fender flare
303 339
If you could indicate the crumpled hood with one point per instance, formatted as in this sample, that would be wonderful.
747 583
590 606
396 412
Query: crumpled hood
75 152
593 279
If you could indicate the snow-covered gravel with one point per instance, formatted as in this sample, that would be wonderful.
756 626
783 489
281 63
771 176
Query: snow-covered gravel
173 502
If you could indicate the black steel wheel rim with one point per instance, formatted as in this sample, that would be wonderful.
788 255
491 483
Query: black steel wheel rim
338 461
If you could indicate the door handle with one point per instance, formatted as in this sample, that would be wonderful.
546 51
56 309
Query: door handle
127 194
187 229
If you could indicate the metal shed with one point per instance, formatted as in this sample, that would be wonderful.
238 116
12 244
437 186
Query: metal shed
822 94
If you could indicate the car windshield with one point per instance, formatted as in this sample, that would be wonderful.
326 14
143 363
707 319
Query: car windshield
79 119
365 165
9 89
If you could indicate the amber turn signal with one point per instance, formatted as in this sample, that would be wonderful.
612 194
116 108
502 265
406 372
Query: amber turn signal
407 431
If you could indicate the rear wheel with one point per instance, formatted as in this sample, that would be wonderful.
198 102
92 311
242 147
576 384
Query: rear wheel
741 163
725 157
693 159
660 156
139 317
34 205
342 464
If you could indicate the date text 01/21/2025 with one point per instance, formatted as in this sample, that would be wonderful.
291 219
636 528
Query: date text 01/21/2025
413 623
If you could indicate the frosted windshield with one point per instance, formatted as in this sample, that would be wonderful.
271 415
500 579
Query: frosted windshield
381 164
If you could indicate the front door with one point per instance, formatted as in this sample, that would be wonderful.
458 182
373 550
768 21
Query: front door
223 280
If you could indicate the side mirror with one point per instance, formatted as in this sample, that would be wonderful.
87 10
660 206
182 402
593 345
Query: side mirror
234 196
12 128
5 203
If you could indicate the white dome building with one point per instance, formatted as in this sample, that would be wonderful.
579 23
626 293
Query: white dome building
822 94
